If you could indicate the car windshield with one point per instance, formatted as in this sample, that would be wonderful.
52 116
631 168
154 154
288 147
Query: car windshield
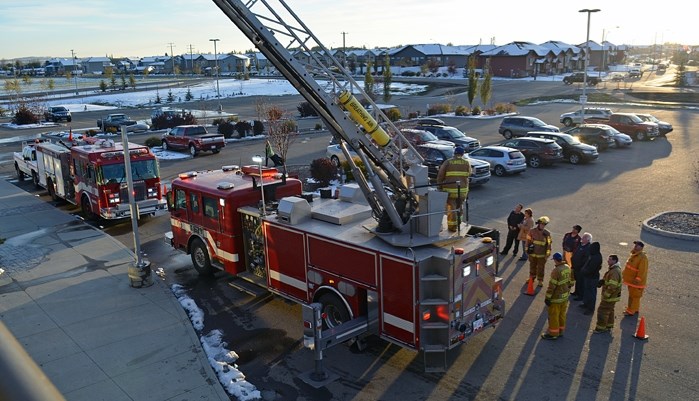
635 119
537 122
59 109
427 136
570 139
648 117
454 133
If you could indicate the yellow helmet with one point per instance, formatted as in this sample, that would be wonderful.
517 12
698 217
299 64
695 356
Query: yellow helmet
543 219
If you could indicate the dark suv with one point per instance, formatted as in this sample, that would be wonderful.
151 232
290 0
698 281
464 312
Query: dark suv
453 135
520 125
420 136
539 152
580 77
58 113
597 135
573 150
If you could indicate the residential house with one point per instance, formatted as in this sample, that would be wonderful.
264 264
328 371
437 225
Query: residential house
96 65
517 60
59 66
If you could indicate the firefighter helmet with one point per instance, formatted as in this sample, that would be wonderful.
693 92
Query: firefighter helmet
543 220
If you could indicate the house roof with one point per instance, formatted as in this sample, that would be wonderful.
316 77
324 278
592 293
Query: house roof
558 46
517 49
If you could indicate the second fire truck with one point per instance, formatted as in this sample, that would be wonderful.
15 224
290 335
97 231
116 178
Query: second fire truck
93 177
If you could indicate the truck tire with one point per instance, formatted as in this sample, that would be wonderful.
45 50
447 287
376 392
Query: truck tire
200 258
164 145
20 174
640 136
192 150
334 311
86 209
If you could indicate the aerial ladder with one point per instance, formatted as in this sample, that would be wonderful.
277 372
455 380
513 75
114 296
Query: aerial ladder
395 177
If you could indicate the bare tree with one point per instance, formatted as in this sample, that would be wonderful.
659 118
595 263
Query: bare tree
282 130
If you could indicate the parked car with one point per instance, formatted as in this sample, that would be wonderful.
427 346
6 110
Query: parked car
334 153
58 113
621 140
511 127
539 152
597 135
195 138
635 73
590 113
573 150
420 136
663 127
453 135
435 155
502 160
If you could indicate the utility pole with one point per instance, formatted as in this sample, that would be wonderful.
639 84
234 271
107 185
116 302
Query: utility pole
191 59
344 48
218 93
75 76
583 98
172 58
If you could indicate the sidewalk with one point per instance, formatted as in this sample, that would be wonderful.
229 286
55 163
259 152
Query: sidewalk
65 296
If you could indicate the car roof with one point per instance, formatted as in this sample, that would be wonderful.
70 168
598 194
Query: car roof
498 147
439 146
532 138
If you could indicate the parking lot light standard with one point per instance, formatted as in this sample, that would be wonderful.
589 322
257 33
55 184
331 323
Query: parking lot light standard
218 93
583 98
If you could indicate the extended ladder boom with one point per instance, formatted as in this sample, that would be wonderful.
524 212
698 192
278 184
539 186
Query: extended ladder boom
394 167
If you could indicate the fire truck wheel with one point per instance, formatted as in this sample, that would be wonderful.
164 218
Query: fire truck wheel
200 258
52 190
86 208
334 311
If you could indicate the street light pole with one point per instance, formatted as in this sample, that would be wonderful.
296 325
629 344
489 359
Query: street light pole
583 98
75 76
218 93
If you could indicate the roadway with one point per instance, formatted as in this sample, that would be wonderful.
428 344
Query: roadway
609 198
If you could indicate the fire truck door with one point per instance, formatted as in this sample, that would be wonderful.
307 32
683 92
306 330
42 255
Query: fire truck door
397 292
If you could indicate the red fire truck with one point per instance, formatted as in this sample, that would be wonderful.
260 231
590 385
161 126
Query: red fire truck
376 260
93 176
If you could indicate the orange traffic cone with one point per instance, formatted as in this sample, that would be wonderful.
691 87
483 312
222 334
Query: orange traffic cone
641 331
530 287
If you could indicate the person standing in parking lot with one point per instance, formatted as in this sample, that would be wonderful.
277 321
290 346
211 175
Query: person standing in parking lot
590 276
611 294
538 248
570 243
580 257
453 179
524 227
556 299
513 221
635 274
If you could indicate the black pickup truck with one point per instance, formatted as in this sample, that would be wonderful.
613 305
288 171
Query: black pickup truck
580 77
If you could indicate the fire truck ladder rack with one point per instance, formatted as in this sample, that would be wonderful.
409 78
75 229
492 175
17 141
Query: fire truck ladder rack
389 158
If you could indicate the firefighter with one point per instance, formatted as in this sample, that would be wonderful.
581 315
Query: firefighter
611 294
557 298
453 179
635 274
538 248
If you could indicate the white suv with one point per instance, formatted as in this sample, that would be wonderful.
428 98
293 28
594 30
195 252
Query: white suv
591 113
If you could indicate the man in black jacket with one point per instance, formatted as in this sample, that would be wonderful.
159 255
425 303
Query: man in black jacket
580 257
516 216
590 273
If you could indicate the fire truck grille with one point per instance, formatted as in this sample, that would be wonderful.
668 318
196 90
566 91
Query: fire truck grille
139 189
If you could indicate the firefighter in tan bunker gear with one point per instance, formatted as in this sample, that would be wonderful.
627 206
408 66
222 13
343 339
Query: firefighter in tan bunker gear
611 294
635 274
557 298
453 179
538 248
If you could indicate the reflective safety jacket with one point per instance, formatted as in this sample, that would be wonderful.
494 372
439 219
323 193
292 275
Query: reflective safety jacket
559 284
611 289
541 239
636 270
452 170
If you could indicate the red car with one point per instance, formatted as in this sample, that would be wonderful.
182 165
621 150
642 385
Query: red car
195 138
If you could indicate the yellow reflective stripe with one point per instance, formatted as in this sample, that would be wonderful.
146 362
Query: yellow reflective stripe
456 173
456 190
613 282
616 299
539 242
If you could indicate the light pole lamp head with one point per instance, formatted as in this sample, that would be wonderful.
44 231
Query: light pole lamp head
588 10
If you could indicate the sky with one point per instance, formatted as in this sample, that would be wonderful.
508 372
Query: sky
129 28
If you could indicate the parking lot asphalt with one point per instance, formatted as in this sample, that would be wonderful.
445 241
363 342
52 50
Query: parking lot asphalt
66 297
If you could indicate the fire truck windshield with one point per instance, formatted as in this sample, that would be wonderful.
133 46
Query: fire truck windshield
116 173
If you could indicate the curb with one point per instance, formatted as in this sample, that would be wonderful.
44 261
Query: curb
659 231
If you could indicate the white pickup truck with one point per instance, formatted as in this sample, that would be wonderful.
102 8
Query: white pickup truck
25 163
